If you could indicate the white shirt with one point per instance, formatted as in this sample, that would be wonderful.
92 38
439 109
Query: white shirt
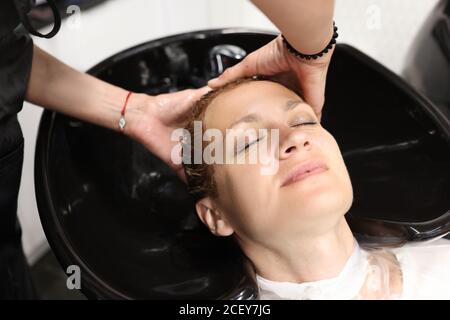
425 271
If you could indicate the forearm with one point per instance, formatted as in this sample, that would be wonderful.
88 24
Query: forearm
306 24
58 87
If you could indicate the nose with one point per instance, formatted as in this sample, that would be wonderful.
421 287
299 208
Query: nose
292 142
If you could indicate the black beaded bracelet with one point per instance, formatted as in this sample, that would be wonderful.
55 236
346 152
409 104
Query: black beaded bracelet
298 54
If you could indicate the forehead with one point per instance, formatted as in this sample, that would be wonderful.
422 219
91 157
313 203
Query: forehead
250 97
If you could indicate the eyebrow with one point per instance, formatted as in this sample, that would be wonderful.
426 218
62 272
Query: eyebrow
291 104
253 117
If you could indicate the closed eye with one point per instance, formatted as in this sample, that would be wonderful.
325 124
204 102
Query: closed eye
310 123
248 145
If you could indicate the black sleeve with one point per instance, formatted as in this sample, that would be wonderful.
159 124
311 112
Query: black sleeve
16 52
9 19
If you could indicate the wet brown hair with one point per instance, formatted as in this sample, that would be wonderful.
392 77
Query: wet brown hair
200 177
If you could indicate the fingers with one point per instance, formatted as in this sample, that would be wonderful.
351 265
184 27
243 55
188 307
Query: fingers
267 60
174 163
316 99
198 93
190 96
317 105
187 96
178 168
313 90
319 116
194 93
181 174
176 104
241 70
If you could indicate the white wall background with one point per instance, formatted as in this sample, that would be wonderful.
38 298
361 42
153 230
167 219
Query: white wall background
384 29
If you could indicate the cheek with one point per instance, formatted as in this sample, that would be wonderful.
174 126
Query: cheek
328 146
238 181
330 149
342 172
238 194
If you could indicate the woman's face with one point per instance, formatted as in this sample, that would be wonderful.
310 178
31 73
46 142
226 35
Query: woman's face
310 190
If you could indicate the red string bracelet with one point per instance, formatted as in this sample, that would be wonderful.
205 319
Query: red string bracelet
122 121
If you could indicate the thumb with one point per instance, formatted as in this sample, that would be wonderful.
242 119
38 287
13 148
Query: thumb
198 93
182 101
192 95
181 174
316 99
314 93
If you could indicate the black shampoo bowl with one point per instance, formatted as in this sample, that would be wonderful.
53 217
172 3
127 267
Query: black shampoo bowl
112 208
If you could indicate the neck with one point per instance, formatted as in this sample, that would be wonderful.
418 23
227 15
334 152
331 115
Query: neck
305 259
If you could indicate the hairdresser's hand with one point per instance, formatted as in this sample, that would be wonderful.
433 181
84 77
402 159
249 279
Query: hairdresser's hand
152 119
274 59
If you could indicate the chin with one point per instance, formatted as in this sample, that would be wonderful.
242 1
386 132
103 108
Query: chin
319 202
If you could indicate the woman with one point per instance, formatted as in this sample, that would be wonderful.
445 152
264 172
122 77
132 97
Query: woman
27 72
291 223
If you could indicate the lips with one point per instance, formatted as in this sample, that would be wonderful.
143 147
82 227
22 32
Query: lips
304 171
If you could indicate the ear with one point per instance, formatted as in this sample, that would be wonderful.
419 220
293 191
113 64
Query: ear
213 218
